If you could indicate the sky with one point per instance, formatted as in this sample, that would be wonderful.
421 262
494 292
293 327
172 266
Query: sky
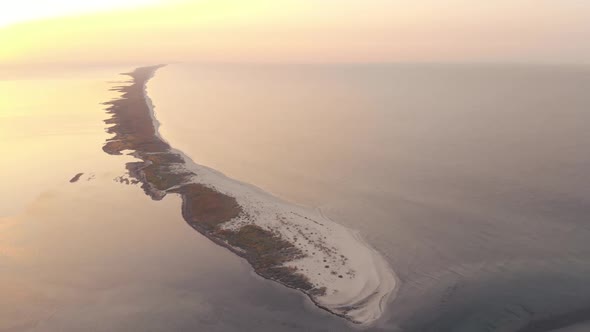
28 10
301 31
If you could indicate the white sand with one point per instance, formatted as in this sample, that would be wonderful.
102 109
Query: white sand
358 281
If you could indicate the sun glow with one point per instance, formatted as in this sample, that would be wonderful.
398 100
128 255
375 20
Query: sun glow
155 31
27 10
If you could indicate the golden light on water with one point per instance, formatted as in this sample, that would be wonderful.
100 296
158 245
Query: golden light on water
8 249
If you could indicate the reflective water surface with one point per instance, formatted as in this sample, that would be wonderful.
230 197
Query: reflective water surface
472 180
97 255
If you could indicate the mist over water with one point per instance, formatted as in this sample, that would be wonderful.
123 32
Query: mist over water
473 181
98 255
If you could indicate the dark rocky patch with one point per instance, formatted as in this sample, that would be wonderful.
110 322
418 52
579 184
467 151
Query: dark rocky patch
76 177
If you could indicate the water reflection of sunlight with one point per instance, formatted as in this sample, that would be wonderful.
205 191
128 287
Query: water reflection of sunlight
40 114
8 248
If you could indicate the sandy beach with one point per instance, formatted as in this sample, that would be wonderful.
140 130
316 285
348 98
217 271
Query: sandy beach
293 245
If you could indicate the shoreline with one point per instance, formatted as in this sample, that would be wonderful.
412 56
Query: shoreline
289 244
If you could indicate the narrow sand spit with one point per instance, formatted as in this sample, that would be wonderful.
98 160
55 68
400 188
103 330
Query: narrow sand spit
293 245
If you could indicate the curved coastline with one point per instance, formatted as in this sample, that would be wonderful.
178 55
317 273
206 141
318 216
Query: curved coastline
290 244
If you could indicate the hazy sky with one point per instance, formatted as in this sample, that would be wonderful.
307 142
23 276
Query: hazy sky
40 31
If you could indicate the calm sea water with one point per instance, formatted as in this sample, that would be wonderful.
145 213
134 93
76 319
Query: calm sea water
473 181
97 255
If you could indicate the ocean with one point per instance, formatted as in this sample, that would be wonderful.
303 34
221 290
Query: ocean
470 180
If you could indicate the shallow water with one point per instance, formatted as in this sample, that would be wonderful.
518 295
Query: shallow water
97 255
472 180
